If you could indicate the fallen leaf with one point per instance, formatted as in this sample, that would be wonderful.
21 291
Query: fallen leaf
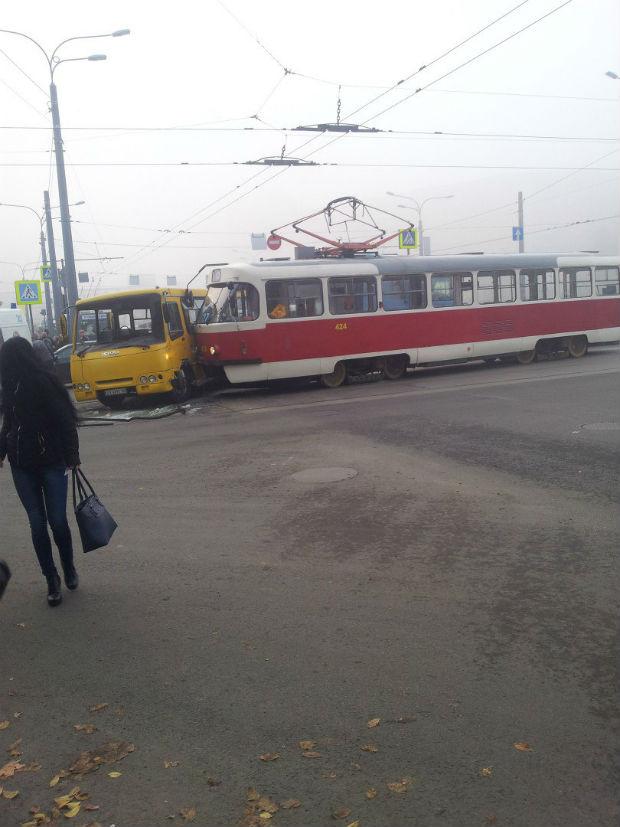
252 794
114 774
168 764
188 813
34 767
106 754
91 807
305 745
369 748
21 625
522 746
10 794
290 804
71 810
13 749
269 756
266 805
373 723
88 729
54 780
399 786
371 793
10 768
63 800
4 725
98 707
17 714
355 765
487 772
354 824
343 812
311 754
265 816
330 775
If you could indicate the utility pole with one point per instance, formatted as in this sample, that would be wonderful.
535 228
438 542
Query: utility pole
520 222
48 299
58 306
65 218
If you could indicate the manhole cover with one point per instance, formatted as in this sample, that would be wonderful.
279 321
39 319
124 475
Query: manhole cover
324 474
602 426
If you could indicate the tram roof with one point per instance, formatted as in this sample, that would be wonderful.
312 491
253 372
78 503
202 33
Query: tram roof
396 265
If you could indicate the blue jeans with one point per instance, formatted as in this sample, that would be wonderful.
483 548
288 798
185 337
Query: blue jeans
43 493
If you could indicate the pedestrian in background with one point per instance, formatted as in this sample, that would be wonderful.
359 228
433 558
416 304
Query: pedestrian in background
44 351
39 436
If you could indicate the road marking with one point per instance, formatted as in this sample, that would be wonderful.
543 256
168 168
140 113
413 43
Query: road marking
419 391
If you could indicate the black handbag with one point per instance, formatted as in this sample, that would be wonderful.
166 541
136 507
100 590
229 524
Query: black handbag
95 522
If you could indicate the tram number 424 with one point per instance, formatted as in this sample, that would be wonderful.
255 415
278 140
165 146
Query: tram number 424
341 326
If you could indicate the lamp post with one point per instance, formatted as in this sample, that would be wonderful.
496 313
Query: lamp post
417 205
612 75
53 62
52 317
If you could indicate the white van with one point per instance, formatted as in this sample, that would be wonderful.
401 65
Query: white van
11 322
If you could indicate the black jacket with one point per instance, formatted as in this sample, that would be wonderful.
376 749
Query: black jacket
38 428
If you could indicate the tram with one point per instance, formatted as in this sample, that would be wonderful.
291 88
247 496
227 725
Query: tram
331 318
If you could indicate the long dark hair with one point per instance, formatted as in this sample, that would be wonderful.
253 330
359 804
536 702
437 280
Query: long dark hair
19 363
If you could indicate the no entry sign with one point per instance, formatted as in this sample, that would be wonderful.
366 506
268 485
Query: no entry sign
273 242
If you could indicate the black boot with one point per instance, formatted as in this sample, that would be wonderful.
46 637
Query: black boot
54 596
71 576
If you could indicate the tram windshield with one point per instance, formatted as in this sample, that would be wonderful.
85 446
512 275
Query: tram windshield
232 302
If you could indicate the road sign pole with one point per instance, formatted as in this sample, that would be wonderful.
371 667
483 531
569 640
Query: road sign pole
420 233
48 299
520 222
31 320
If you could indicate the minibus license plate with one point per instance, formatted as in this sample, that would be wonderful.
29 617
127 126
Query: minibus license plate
116 392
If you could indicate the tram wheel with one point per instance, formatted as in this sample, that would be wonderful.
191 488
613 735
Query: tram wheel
577 346
526 357
336 377
394 367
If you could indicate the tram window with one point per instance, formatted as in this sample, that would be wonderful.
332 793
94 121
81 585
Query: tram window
294 298
352 295
575 282
237 303
452 289
496 286
404 293
607 281
537 285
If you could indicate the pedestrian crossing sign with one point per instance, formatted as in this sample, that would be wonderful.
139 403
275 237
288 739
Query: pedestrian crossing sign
408 239
28 292
45 271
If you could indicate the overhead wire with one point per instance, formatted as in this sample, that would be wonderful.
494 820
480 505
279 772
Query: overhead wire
24 73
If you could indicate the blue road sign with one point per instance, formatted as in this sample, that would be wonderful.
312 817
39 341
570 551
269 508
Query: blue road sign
408 239
28 292
517 233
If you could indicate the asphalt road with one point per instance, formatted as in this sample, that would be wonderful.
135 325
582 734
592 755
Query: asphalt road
461 585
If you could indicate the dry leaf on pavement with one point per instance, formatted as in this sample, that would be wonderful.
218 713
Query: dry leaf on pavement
373 723
252 794
106 754
306 745
71 809
88 729
188 813
369 748
290 804
9 794
311 754
169 764
269 756
14 750
10 768
114 774
91 807
354 824
371 793
4 725
330 775
399 786
266 805
487 772
523 746
342 812
98 707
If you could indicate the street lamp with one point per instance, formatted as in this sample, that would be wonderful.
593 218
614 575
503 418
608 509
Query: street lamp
52 317
418 207
53 62
612 75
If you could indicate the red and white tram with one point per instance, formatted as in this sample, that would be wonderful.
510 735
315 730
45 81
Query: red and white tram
328 317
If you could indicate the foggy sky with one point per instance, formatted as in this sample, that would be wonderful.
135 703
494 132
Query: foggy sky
190 63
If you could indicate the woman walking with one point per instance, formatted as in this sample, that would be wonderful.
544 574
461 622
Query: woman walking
39 436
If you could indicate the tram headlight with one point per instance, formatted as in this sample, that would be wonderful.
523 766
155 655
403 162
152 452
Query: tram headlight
144 380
